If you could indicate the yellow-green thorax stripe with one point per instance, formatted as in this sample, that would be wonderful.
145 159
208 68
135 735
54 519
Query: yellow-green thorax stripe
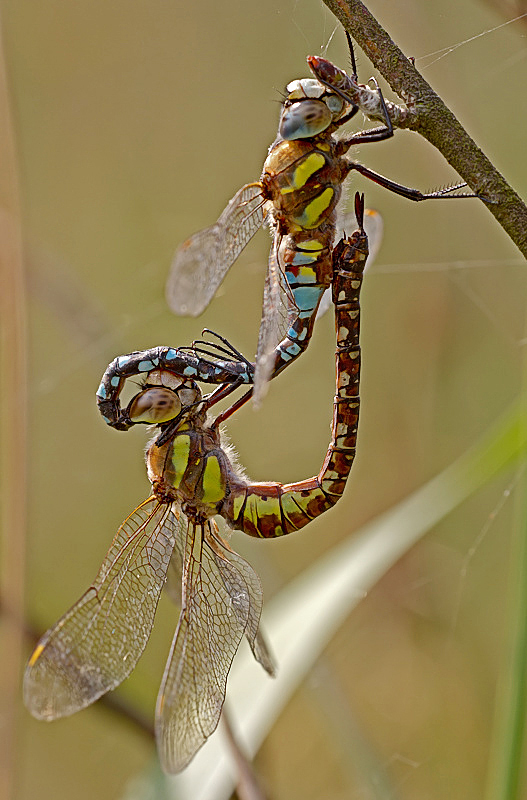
311 216
180 454
307 168
213 481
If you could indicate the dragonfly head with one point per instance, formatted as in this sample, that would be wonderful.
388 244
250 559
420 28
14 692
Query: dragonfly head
309 109
164 396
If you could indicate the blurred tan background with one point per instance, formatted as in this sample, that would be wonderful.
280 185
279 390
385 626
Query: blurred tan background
136 121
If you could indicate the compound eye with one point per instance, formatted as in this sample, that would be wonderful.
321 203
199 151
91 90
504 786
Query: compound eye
154 405
334 103
304 119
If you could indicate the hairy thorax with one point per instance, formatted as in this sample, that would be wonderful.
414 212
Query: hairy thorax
302 179
193 469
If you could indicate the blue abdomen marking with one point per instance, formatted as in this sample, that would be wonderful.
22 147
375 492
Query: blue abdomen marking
301 276
300 258
307 297
145 366
293 349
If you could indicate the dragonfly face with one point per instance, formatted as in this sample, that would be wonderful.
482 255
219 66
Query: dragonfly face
164 397
309 109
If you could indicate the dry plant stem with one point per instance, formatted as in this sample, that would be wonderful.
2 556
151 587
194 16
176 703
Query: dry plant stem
247 784
432 119
13 433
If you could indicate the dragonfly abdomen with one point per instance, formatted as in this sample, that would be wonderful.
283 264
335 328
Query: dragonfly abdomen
179 361
349 259
307 262
268 510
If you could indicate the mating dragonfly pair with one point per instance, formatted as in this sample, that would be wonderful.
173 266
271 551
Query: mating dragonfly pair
196 486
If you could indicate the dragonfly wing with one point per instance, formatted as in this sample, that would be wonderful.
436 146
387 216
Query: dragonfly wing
244 587
174 578
98 641
201 262
325 303
214 617
373 225
278 311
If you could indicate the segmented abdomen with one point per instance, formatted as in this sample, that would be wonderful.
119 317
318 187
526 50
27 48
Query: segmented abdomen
305 257
272 509
181 361
303 181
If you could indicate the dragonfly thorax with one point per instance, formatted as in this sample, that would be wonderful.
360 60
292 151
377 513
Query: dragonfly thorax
302 180
191 468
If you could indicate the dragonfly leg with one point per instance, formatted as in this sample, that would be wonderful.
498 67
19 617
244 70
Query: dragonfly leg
220 393
232 408
218 352
374 134
346 118
406 191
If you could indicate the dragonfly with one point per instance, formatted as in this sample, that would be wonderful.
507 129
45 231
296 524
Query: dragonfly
298 195
196 487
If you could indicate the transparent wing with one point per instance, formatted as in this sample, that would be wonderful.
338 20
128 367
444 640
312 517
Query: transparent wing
175 568
227 560
278 312
201 262
253 633
98 641
219 592
174 576
373 225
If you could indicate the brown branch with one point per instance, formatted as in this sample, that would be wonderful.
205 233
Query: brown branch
432 119
248 785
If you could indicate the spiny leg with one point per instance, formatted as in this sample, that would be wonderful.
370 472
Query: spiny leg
229 350
220 419
346 86
406 191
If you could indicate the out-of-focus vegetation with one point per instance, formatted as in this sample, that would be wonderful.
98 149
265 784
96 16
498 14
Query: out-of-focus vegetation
135 123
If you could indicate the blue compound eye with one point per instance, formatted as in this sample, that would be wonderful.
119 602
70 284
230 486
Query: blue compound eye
154 405
305 119
334 103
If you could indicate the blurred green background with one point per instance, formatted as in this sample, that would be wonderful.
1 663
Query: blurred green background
135 122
